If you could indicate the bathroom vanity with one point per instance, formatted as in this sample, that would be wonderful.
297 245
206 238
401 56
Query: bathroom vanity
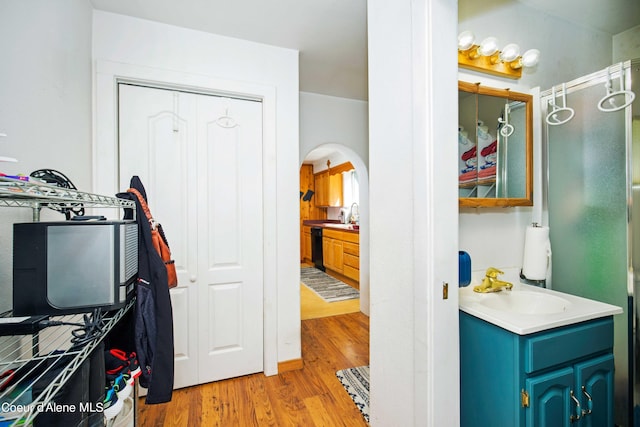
548 362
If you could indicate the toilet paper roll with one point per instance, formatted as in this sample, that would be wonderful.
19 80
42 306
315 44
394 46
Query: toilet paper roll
537 253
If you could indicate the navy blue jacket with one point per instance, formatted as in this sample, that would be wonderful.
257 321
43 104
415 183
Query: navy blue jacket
153 312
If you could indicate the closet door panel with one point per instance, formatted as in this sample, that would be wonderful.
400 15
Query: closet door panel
230 226
200 158
157 143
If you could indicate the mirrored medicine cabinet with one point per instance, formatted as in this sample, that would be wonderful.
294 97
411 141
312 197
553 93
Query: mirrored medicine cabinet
495 147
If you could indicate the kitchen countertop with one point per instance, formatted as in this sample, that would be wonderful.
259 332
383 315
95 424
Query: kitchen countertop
333 224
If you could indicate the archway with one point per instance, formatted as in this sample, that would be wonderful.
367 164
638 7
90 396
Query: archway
338 153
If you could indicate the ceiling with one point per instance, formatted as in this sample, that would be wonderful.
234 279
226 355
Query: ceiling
331 35
610 16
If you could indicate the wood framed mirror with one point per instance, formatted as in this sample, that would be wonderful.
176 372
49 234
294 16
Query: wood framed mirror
495 147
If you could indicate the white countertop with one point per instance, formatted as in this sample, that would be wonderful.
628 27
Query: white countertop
535 317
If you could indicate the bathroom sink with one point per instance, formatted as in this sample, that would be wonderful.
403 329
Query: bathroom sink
525 302
528 309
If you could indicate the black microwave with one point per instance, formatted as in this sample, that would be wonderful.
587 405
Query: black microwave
67 267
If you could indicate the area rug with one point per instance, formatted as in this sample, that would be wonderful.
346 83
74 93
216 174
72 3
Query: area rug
328 288
356 382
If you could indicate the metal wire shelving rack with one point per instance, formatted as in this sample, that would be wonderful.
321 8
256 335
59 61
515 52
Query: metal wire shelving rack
35 195
34 356
52 345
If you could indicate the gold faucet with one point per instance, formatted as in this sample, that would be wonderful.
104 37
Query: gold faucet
490 283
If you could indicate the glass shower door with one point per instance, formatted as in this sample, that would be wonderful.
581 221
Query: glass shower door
587 204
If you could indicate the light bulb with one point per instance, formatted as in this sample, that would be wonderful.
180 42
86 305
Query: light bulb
530 58
465 40
510 52
489 46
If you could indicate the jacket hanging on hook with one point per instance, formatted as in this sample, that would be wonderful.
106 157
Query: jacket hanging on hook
153 311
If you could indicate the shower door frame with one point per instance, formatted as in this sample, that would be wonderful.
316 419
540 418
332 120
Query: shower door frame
581 83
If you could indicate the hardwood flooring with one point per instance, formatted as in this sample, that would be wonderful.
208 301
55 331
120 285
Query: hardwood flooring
311 396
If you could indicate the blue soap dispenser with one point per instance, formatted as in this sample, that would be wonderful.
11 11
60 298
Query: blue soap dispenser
464 268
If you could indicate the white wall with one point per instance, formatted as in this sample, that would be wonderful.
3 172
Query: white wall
626 45
414 221
45 102
329 119
162 52
567 50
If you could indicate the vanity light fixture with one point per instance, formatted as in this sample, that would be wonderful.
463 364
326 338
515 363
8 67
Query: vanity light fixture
466 40
529 59
487 58
510 53
488 47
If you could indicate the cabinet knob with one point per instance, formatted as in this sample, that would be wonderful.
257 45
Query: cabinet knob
193 279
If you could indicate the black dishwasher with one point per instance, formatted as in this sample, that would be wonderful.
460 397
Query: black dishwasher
316 247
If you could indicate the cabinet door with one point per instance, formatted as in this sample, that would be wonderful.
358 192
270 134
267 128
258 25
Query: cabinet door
335 190
322 188
327 252
550 402
338 256
594 384
306 244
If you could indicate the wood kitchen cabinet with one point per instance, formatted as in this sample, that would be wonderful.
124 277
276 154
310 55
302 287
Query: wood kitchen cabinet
341 252
328 185
351 260
321 180
332 253
335 190
328 189
305 244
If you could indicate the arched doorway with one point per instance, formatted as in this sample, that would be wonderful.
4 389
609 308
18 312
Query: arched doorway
339 155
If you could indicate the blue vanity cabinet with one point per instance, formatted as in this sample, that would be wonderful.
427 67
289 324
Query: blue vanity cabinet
594 381
582 393
558 377
549 399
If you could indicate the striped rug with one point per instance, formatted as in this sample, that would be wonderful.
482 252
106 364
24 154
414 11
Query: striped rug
356 382
328 288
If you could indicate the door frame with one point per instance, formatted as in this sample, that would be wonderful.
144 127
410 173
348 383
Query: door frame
107 76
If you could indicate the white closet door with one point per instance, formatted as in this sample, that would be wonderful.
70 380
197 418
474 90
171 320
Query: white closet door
203 182
230 243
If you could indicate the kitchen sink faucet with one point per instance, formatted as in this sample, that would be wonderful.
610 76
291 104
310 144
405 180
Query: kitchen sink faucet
354 217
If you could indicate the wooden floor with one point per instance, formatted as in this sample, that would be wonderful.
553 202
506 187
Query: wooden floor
312 396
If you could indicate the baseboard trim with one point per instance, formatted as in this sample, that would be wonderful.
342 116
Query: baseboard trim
290 365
